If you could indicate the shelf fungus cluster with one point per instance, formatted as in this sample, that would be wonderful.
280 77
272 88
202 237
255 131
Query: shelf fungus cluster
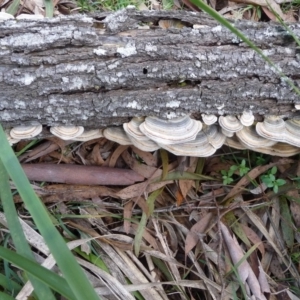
186 136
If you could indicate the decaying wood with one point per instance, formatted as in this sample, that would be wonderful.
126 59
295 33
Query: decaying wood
106 68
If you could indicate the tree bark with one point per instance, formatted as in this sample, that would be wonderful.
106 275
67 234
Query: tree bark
105 68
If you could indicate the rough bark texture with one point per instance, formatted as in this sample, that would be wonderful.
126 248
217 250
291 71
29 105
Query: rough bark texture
74 70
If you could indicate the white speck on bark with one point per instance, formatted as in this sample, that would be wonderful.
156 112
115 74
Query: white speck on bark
28 79
20 104
100 52
173 104
133 104
128 50
61 110
78 68
220 107
49 110
150 48
5 115
194 31
217 29
171 115
201 57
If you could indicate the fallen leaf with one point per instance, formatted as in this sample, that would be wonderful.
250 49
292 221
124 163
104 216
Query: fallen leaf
127 215
116 154
142 169
286 222
245 272
147 157
185 186
136 190
295 206
141 202
276 268
43 149
147 235
254 238
192 237
95 156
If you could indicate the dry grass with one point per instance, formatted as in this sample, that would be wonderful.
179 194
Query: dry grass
185 235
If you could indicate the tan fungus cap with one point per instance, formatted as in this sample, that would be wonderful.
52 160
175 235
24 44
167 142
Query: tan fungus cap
169 132
67 132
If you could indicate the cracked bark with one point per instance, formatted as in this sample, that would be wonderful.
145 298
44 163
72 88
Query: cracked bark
72 70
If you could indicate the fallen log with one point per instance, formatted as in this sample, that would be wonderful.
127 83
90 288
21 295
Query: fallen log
106 68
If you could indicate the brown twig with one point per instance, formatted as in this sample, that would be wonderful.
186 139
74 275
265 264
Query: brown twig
77 174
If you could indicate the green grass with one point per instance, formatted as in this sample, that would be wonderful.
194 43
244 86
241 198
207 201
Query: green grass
108 5
76 280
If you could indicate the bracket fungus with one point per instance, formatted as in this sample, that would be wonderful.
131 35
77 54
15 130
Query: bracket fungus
88 135
205 144
279 149
214 136
249 138
198 147
169 132
136 136
67 132
132 128
117 134
11 140
247 118
144 145
230 123
233 142
292 133
26 132
185 136
209 119
272 128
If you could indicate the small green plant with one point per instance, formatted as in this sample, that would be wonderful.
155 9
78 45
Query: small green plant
255 8
167 4
85 5
227 175
270 180
260 159
243 170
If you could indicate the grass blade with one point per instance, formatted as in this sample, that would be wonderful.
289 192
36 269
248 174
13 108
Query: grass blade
214 14
9 284
13 7
165 163
49 8
4 296
17 234
176 175
68 265
56 282
141 228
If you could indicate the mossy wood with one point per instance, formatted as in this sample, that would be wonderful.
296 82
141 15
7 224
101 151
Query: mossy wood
105 68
